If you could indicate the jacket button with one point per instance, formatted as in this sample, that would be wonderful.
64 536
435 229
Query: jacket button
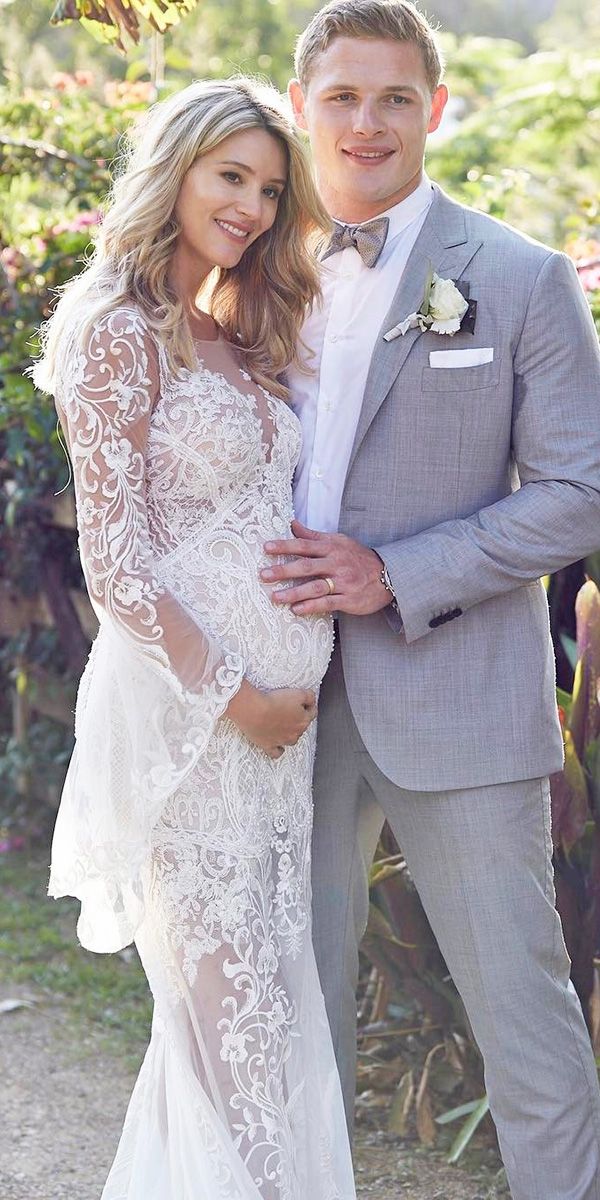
445 616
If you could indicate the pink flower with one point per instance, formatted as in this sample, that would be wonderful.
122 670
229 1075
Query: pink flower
121 93
12 843
83 220
589 274
61 81
13 262
10 256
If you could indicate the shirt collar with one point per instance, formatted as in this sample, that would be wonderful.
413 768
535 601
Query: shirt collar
406 211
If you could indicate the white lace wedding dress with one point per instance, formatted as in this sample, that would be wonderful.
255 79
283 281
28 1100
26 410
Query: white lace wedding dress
173 829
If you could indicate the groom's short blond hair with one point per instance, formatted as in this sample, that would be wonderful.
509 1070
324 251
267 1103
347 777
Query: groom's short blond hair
398 20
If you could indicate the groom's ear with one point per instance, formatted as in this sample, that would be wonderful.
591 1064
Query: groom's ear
296 98
438 104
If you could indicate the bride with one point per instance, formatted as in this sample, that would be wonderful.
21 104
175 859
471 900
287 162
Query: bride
186 817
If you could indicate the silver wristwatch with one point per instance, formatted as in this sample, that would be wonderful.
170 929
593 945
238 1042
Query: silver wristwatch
384 579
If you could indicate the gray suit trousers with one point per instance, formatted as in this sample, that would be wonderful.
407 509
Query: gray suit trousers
481 861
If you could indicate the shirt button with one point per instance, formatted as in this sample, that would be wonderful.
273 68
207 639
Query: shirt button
318 474
334 337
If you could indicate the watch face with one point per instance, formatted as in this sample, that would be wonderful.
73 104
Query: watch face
387 583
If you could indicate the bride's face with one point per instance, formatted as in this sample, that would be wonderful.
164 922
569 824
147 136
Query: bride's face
229 197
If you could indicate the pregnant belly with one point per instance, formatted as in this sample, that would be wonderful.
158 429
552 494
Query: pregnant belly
278 648
288 651
231 604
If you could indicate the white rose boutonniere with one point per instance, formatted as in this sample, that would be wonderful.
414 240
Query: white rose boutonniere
442 310
446 306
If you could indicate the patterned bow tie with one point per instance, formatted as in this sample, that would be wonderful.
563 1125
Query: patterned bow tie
368 239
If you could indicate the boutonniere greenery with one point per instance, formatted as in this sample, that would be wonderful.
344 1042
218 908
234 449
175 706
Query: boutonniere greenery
442 310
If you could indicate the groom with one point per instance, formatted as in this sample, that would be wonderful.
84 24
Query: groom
446 475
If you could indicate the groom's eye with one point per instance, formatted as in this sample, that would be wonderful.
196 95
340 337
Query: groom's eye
398 100
343 96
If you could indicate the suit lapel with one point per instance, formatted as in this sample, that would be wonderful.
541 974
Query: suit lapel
443 244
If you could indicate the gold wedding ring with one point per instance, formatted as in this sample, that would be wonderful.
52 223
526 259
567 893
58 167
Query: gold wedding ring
330 585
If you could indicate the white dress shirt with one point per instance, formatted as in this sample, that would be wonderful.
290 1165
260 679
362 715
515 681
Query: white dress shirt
341 333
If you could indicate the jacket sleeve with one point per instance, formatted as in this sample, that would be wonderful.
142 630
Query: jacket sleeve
553 517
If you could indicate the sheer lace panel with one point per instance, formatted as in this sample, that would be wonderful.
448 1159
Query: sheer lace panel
105 409
212 435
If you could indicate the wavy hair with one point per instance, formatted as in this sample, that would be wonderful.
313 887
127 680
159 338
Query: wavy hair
261 302
397 20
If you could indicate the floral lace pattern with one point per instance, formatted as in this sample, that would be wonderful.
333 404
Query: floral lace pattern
173 827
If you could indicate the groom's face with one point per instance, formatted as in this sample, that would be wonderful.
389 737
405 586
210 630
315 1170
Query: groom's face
368 109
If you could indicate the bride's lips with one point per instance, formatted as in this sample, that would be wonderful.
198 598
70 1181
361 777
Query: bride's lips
234 231
366 157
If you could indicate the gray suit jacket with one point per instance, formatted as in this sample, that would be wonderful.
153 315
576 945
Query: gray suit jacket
472 483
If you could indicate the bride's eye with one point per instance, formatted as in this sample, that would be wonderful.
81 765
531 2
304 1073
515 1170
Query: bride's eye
232 176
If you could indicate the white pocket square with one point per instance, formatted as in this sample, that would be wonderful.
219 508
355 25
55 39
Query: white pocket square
461 358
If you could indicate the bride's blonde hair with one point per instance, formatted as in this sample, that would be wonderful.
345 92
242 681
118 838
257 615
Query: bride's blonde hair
262 301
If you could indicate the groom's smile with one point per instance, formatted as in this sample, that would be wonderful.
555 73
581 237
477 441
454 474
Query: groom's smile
369 156
368 108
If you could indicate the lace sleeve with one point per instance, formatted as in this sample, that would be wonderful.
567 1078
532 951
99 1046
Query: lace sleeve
105 405
155 683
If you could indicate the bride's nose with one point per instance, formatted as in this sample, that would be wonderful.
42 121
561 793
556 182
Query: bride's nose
249 205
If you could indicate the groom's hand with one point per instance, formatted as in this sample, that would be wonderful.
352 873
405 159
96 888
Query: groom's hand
353 569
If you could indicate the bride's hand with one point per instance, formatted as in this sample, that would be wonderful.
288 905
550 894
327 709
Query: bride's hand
272 720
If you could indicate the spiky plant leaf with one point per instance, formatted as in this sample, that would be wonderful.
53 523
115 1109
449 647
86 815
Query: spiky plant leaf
467 1130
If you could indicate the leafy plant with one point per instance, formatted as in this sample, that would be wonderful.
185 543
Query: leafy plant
115 20
56 167
589 274
521 116
474 1111
576 801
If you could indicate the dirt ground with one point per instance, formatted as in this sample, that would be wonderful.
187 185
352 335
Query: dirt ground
64 1094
